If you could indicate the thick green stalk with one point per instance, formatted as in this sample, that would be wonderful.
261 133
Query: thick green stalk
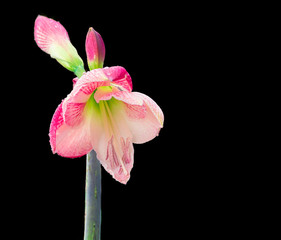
93 198
79 71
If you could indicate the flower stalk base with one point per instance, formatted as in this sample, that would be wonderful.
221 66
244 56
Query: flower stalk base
92 198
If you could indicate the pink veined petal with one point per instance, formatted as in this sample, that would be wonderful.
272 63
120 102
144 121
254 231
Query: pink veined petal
86 85
114 148
77 139
119 77
73 106
128 98
73 112
73 142
119 166
68 141
135 111
154 108
117 157
47 32
56 122
141 114
143 121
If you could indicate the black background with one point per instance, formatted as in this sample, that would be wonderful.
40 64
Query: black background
180 184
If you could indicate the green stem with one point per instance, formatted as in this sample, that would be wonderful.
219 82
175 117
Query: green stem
93 198
79 71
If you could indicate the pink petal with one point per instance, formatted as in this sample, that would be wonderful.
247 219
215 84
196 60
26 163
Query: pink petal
142 116
144 121
95 49
114 148
128 98
73 106
56 122
47 32
119 166
53 39
74 81
154 108
86 85
73 142
77 139
119 77
100 127
106 93
135 111
73 112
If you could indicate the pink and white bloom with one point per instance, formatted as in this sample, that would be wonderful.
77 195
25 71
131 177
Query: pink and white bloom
102 113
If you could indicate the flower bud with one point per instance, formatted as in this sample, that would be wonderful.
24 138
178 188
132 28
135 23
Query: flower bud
53 39
95 49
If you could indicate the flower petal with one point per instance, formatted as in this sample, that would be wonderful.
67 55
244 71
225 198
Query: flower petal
56 122
142 116
95 49
48 32
53 39
73 106
119 164
73 112
143 121
74 81
119 77
66 140
154 108
86 85
75 140
106 93
128 97
114 148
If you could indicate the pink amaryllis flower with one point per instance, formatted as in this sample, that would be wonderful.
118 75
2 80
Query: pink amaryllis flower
101 112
